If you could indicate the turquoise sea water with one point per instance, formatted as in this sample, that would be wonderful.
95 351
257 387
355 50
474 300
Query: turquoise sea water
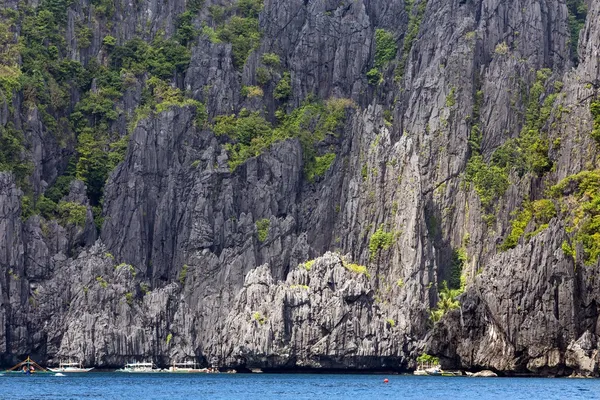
286 386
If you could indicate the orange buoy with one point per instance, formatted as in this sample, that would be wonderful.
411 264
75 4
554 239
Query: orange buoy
385 380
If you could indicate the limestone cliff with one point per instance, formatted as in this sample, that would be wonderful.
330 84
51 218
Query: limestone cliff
457 119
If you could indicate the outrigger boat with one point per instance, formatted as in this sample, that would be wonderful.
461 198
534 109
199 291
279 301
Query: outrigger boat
27 367
70 367
191 367
138 367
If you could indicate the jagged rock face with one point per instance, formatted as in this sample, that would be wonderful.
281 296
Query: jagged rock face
322 316
178 266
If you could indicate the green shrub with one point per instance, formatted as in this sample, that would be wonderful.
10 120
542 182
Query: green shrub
451 98
310 123
283 90
102 282
380 240
580 196
104 8
245 128
258 317
271 60
262 229
169 338
183 274
185 31
12 154
144 288
385 47
501 49
46 207
415 17
459 260
10 71
62 185
577 17
263 76
388 117
518 226
490 181
357 269
211 34
84 36
72 213
543 210
92 165
250 8
427 359
374 77
303 287
308 265
195 5
252 91
129 298
162 58
160 97
320 166
534 143
568 250
242 31
447 301
527 153
595 111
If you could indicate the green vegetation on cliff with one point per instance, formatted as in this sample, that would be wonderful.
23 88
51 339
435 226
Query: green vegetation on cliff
251 134
12 154
415 17
380 240
237 25
595 111
447 302
577 16
385 47
540 211
579 198
262 229
528 153
48 78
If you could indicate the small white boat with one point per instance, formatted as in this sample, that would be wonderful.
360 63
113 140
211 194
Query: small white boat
428 368
139 367
190 367
70 367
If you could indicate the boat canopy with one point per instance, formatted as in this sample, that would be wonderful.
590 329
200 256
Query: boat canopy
28 362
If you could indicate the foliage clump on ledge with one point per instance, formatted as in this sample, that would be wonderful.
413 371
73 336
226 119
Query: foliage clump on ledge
251 134
380 240
526 154
579 199
540 211
262 229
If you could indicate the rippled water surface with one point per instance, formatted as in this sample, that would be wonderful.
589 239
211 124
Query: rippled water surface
284 386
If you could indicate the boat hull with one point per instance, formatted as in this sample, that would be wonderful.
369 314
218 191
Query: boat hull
70 370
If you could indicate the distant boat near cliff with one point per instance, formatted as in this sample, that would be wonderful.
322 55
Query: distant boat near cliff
27 367
190 367
70 367
140 367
